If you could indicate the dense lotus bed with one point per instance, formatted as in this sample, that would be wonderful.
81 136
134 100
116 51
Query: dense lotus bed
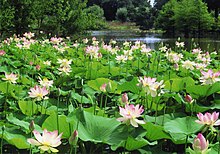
91 97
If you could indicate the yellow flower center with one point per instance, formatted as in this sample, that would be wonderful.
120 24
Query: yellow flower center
46 144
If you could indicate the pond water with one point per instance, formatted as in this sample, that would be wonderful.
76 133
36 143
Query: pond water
154 40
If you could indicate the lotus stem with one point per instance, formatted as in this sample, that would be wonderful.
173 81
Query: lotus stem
186 142
101 101
109 67
3 130
32 108
106 99
6 99
58 102
157 102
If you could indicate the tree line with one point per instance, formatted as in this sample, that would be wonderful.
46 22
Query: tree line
69 17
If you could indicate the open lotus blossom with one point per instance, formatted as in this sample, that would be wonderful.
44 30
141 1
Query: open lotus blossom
47 142
146 50
130 114
208 119
64 62
121 58
209 77
38 93
150 85
200 145
45 82
65 70
163 49
174 57
55 40
93 51
196 51
180 44
10 77
48 62
28 35
189 65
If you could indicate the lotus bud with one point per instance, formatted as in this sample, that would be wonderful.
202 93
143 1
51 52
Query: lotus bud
103 87
37 67
176 66
200 144
31 63
124 98
73 138
31 126
188 99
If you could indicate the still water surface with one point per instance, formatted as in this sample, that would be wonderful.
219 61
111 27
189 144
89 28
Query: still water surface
154 40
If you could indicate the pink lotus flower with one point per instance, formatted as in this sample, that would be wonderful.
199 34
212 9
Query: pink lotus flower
208 119
200 144
2 52
38 93
93 51
10 77
209 77
146 81
47 142
130 114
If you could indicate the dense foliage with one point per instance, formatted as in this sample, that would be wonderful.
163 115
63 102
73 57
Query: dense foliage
92 97
55 17
185 16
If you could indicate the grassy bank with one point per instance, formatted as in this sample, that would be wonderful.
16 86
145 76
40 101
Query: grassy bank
117 25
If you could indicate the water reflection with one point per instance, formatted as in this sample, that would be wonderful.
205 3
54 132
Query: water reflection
154 40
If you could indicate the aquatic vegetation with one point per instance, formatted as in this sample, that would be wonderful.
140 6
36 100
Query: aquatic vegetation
105 98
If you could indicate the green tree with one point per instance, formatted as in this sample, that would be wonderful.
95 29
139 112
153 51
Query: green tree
122 14
165 19
192 16
15 16
94 16
6 17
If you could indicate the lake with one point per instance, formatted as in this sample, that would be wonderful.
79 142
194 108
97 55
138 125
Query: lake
154 40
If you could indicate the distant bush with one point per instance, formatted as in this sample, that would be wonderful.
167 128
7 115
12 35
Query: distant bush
122 14
95 17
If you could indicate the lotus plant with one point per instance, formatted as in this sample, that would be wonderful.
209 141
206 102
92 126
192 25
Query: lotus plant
10 78
200 145
124 98
208 119
38 93
45 82
48 141
209 77
2 52
150 85
189 99
130 114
